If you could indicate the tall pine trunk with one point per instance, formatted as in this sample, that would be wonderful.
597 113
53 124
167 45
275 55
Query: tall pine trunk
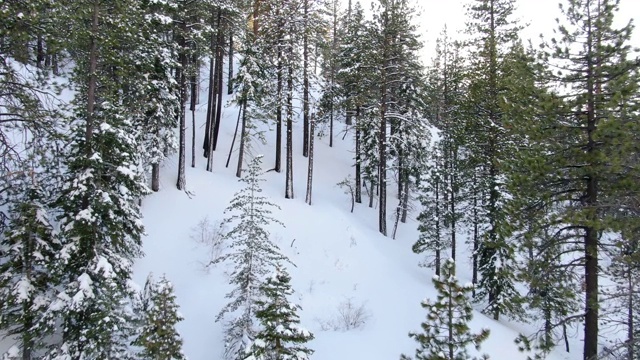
289 171
310 169
358 161
305 80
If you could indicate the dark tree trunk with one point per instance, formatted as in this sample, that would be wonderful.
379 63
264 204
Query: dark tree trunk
235 134
358 163
155 177
192 108
40 56
230 59
243 139
305 79
278 164
211 101
310 170
218 88
289 171
182 81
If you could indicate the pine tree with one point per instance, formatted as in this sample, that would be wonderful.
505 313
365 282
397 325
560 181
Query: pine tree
281 336
446 96
431 219
158 336
579 158
27 265
100 221
446 332
489 145
253 254
355 78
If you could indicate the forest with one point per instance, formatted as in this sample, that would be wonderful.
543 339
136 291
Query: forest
526 153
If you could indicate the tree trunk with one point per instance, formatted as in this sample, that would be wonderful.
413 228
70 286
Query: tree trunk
243 139
305 80
289 171
210 98
358 163
230 59
182 80
192 108
235 134
155 177
310 170
278 164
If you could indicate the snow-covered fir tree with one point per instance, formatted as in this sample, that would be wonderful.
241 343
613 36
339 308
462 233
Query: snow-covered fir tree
158 336
281 336
253 254
446 332
432 239
27 263
100 220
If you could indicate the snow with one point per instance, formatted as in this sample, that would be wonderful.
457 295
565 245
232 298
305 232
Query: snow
338 255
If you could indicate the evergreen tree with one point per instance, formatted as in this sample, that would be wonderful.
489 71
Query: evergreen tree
446 96
158 336
446 332
101 228
489 145
253 254
355 78
26 271
580 153
431 224
281 336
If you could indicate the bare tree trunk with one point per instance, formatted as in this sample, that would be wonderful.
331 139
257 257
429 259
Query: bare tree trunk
235 133
289 171
211 101
155 177
310 171
358 162
243 139
278 164
192 108
230 54
305 80
218 86
405 202
182 80
208 119
40 52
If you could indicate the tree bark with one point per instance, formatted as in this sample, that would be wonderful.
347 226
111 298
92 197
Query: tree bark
289 171
243 139
310 170
305 79
358 162
230 60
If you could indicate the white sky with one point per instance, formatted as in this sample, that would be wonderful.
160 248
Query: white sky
539 14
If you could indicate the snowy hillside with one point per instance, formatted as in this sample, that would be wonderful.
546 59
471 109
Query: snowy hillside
340 258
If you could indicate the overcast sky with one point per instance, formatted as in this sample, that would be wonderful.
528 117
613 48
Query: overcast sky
539 14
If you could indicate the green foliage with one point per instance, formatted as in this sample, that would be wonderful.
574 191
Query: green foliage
253 255
445 334
158 336
27 266
281 336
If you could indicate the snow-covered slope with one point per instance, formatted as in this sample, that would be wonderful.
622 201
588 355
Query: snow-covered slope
340 257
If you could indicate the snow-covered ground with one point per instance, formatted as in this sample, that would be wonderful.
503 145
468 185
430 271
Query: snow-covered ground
340 257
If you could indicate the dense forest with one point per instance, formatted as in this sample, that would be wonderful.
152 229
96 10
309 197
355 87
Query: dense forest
528 150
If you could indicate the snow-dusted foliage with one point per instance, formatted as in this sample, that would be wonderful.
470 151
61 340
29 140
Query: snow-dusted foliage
446 332
27 264
159 315
254 256
282 337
